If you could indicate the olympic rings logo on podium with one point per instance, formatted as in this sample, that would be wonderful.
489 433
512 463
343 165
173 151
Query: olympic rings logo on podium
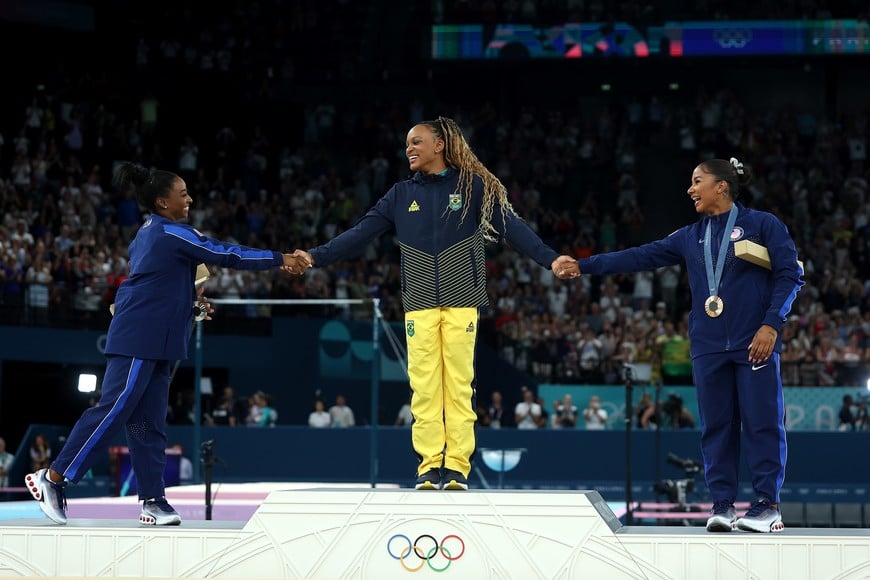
424 553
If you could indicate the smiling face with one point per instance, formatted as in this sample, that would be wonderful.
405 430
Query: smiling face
710 195
176 204
425 151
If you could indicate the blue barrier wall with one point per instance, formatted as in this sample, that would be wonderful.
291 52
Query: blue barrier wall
821 466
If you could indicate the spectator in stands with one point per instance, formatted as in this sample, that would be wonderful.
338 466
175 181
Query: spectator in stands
735 350
6 460
527 412
675 356
565 413
224 412
341 414
153 317
495 417
262 413
641 409
847 414
404 418
543 420
40 452
594 417
319 418
442 217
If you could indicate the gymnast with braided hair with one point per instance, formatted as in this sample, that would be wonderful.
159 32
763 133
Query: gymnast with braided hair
443 215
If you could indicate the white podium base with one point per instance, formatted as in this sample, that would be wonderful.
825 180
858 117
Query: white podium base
390 533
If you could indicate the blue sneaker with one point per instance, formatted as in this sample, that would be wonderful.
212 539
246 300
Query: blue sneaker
762 517
156 511
454 480
429 480
723 517
50 495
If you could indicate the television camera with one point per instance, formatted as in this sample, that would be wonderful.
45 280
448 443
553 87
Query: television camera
676 490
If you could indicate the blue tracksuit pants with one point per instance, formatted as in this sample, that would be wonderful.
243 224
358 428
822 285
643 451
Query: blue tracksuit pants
135 393
734 397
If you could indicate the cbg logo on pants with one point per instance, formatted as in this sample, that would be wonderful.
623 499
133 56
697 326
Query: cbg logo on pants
425 550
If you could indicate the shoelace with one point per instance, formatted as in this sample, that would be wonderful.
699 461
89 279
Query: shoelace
160 503
721 507
758 508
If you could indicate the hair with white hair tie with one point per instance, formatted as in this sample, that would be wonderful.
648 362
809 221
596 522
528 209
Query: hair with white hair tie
738 166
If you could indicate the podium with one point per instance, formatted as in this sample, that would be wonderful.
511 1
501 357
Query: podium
364 533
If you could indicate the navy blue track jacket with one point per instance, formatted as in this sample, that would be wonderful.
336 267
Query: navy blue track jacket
752 294
443 262
154 305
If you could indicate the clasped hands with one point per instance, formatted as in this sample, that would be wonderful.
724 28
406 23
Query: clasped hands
565 267
297 262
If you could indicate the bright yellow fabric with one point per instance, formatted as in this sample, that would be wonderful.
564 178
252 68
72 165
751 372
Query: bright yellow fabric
441 344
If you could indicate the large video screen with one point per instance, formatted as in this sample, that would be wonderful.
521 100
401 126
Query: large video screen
671 40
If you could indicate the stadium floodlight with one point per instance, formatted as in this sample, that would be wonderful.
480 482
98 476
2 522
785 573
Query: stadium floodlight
87 383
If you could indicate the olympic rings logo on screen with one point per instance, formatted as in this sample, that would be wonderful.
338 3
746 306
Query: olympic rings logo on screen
414 555
732 37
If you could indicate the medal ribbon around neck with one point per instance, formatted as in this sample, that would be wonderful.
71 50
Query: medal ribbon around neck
714 279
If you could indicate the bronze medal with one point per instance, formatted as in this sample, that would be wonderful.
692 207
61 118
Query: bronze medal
714 306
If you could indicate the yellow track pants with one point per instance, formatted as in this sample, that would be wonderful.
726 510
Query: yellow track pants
441 345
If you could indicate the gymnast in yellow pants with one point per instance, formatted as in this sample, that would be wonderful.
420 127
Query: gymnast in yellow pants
443 216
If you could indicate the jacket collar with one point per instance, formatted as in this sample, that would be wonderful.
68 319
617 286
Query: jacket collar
420 177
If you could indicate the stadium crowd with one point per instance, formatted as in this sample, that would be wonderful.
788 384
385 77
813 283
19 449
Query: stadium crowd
577 176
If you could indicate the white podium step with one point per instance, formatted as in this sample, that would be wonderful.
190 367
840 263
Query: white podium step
391 533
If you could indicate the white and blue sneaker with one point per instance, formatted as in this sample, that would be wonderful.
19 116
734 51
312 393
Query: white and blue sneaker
762 517
50 495
156 511
723 517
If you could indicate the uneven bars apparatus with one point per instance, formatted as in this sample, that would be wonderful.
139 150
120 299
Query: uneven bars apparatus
375 375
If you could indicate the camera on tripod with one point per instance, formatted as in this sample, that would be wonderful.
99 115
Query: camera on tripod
690 466
206 452
676 490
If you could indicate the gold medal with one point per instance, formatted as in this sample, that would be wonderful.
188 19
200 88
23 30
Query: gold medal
714 306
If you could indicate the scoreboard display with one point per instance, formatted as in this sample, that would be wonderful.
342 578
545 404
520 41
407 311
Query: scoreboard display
671 40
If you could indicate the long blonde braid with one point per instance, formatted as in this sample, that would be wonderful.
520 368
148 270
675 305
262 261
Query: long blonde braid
459 155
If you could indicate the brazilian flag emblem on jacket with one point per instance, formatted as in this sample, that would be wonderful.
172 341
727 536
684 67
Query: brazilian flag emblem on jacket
410 327
454 202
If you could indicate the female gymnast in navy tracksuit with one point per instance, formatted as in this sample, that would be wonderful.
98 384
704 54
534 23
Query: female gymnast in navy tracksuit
153 317
738 309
